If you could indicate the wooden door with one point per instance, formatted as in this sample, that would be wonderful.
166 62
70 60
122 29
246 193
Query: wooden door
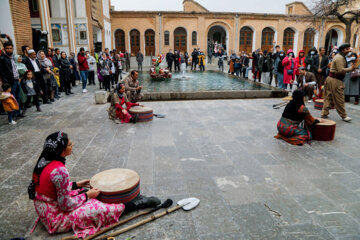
180 40
246 37
135 42
288 42
150 43
309 36
120 40
267 39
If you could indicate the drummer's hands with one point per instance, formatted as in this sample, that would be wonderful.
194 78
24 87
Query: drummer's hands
124 112
93 193
84 183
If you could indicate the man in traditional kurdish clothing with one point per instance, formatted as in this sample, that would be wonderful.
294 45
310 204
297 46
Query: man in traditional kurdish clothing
133 88
334 85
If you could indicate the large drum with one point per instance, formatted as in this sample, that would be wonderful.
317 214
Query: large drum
144 114
324 131
118 185
318 104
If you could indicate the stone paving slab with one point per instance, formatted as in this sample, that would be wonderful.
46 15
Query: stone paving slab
251 185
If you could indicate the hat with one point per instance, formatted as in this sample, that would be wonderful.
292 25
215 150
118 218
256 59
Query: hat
31 51
343 46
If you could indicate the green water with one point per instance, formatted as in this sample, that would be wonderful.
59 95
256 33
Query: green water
197 82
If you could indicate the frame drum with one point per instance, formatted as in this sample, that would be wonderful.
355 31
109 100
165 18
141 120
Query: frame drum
144 114
117 185
324 131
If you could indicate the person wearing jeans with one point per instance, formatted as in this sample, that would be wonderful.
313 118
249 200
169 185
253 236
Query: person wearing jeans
84 68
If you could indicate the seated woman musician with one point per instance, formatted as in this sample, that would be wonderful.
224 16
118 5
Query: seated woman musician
117 110
63 205
295 120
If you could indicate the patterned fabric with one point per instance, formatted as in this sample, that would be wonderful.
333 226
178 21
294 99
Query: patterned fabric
71 210
292 131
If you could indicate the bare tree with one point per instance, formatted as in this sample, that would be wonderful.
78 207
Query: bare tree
344 10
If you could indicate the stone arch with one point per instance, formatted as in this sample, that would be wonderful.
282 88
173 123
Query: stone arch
311 39
180 39
267 38
294 44
149 42
119 40
134 41
334 37
221 31
253 39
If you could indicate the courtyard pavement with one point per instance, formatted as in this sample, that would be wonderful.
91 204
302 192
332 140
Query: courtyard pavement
251 186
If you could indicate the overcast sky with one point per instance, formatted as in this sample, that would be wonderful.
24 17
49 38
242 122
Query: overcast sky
254 6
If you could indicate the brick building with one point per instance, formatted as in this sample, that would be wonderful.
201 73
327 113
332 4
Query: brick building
69 24
154 32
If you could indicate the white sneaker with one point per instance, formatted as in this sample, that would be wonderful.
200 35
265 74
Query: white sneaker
12 122
347 119
84 91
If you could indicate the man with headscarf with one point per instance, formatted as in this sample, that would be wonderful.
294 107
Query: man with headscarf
334 85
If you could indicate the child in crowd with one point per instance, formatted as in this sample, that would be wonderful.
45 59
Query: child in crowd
9 102
31 89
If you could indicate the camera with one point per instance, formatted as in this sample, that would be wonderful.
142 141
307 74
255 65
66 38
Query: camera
3 35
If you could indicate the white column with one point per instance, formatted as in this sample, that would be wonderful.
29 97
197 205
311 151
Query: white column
236 45
45 20
70 25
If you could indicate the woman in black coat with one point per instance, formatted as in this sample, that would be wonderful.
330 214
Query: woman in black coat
65 73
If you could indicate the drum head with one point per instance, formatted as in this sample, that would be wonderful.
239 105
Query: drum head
326 122
115 180
138 109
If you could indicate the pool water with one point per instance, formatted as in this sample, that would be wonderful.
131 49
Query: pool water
198 82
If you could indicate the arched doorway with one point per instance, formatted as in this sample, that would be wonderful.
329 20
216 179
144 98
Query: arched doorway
267 38
120 40
334 37
149 43
246 39
180 39
309 39
288 41
135 41
218 34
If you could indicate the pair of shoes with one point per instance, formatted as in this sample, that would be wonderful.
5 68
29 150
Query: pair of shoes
347 119
12 122
71 92
38 109
52 100
48 102
84 91
324 116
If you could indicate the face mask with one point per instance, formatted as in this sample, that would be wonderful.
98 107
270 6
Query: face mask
291 54
281 55
350 59
312 52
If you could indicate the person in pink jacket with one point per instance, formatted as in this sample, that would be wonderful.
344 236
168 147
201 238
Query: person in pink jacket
289 64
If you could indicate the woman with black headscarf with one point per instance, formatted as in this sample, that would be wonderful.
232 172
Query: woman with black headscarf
63 205
120 105
65 73
295 120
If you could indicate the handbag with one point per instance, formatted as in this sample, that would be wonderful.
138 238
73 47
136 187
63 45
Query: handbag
355 74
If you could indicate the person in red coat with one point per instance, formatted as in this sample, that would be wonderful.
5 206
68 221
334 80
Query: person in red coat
83 67
299 62
289 64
